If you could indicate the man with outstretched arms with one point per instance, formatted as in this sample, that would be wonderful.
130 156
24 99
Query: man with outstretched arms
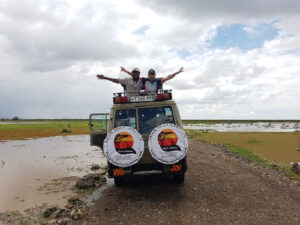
132 85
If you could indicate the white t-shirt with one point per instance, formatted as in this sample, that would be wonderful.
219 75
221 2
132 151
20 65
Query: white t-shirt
132 87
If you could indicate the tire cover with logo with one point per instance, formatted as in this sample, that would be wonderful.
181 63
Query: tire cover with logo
168 143
123 146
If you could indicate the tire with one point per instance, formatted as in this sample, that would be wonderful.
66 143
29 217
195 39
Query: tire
119 181
178 178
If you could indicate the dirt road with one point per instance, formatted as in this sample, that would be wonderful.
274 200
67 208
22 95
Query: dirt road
219 189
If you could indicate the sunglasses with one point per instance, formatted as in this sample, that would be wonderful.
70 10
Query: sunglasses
135 72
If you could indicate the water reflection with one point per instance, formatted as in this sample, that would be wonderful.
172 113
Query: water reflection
27 168
247 127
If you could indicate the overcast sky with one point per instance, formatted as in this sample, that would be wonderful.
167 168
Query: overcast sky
241 59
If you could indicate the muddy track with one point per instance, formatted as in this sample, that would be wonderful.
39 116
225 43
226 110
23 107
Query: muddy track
220 188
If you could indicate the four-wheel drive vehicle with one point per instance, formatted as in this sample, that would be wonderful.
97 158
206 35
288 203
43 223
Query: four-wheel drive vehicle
144 114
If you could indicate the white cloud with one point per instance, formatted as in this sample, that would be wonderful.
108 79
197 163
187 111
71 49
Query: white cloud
51 51
49 38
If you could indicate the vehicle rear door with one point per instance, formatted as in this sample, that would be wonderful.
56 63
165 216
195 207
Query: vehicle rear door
98 128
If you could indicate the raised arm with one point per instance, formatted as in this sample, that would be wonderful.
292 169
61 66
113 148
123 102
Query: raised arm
102 77
126 71
163 80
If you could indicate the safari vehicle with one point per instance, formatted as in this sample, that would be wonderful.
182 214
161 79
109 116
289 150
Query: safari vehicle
143 114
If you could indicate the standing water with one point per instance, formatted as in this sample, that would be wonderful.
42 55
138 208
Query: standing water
247 127
42 171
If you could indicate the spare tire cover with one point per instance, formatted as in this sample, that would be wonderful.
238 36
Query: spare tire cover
123 146
168 143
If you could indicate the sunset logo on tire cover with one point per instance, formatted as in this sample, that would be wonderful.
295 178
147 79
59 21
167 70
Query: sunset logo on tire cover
123 143
167 140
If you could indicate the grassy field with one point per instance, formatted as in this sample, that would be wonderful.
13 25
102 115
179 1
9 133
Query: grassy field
42 128
270 150
282 148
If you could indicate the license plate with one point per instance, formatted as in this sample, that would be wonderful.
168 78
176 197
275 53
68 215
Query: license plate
147 98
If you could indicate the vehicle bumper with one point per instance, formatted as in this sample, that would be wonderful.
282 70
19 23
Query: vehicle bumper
145 169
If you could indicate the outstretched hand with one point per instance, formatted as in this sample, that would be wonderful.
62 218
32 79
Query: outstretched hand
180 70
100 76
123 69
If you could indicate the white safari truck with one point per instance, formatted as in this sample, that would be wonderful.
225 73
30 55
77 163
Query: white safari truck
141 135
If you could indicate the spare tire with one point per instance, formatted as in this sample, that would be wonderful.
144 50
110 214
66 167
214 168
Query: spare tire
168 143
123 146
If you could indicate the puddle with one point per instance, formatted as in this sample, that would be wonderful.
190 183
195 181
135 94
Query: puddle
38 171
250 127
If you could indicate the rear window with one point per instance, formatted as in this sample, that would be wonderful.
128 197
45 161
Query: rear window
125 117
149 118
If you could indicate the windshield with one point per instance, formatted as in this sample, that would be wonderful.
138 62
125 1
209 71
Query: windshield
149 118
125 117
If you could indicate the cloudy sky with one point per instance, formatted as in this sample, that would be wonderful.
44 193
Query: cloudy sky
241 59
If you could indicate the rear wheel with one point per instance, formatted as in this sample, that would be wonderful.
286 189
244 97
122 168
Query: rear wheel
119 181
178 178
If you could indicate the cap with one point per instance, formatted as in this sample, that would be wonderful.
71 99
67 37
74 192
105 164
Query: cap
151 71
136 69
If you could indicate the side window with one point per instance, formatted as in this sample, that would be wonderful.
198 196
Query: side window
98 121
168 115
149 118
125 117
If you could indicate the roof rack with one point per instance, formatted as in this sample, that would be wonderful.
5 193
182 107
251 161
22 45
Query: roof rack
142 96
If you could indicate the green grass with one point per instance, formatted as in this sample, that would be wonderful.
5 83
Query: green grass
14 213
21 129
47 124
253 158
246 154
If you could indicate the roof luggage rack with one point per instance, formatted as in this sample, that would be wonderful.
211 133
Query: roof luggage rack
143 96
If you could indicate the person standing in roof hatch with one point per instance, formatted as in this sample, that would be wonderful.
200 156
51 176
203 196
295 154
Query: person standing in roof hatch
153 84
132 86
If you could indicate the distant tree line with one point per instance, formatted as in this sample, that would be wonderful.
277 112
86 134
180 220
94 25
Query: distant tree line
14 118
